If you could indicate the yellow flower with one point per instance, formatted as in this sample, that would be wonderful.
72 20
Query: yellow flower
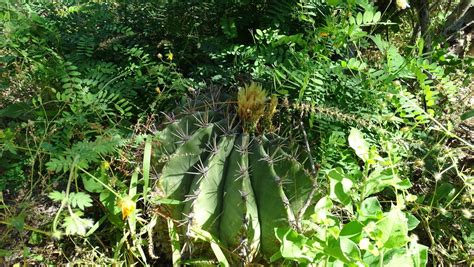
127 205
170 56
402 4
323 34
251 104
105 165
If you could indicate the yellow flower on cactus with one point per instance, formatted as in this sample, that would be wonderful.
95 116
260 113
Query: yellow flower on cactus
127 205
251 105
402 4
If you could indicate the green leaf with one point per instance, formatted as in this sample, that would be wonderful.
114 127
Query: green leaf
352 230
204 235
419 254
294 246
75 225
412 221
110 202
146 168
340 186
359 18
57 196
467 115
368 16
333 2
91 185
396 258
321 210
35 239
358 143
350 249
370 209
80 200
445 191
377 17
333 249
379 179
394 229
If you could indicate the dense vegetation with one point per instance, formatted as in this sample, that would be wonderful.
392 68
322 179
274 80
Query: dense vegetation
323 132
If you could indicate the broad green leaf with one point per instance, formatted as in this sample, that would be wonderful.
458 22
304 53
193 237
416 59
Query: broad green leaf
352 230
412 221
419 254
321 210
333 249
445 191
91 185
379 179
394 229
340 186
294 246
370 209
350 249
358 143
368 16
397 258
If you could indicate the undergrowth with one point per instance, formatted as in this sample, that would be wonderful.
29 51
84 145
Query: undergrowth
87 88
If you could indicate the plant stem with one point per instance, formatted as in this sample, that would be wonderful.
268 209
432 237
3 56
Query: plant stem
27 227
68 188
315 174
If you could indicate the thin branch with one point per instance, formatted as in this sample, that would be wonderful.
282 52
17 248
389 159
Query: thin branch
314 173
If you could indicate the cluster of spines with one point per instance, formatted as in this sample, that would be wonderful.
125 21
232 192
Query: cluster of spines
198 139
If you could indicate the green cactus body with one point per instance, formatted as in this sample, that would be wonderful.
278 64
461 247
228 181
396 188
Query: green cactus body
203 204
297 182
234 185
273 205
179 131
175 179
240 226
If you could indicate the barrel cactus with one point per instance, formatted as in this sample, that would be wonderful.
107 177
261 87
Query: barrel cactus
233 175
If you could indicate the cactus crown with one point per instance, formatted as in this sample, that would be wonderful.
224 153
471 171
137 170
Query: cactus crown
252 106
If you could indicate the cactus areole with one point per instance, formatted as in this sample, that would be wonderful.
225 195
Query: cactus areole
232 178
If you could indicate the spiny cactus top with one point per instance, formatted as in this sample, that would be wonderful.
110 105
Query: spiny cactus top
234 179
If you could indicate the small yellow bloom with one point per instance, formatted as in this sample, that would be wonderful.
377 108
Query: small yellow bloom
158 90
324 34
105 165
402 4
127 205
169 56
